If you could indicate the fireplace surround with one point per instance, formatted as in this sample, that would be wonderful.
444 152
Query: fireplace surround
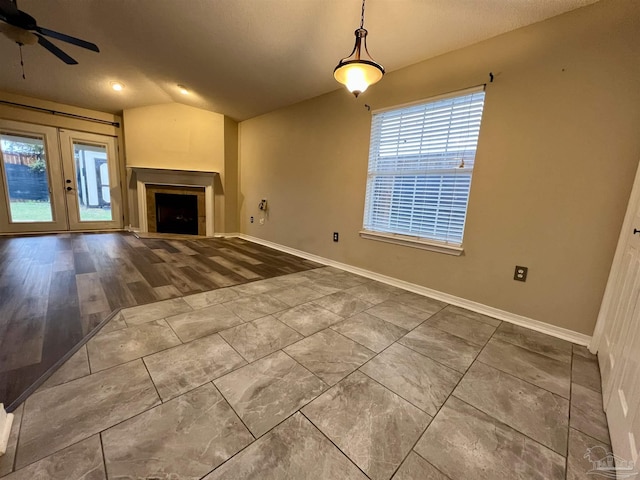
176 209
181 182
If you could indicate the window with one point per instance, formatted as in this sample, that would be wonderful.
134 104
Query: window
420 166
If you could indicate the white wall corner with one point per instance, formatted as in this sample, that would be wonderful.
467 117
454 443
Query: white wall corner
537 325
6 419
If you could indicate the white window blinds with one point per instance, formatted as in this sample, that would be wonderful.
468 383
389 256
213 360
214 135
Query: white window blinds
420 165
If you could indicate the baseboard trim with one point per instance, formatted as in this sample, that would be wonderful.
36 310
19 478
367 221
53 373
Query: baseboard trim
537 325
6 420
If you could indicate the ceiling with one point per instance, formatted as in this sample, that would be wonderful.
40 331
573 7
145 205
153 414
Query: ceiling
241 58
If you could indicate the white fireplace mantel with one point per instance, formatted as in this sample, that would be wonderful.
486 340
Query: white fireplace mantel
178 178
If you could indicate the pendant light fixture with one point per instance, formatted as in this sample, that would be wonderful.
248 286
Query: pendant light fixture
358 70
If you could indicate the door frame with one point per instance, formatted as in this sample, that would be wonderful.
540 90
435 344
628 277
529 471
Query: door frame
611 292
618 318
54 174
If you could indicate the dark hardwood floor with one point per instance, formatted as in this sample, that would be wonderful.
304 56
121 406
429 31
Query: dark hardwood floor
55 289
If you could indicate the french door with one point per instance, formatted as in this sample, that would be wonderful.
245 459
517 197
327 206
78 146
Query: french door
56 180
92 185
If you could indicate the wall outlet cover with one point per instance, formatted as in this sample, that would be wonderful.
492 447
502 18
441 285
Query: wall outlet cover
520 273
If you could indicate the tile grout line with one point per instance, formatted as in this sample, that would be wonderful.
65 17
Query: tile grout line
173 330
313 374
566 463
510 426
333 443
524 381
510 342
471 317
104 457
47 456
472 343
256 439
383 386
41 389
398 340
164 349
298 410
360 343
231 347
463 375
357 369
491 416
595 440
199 385
151 380
235 413
395 393
521 379
600 395
407 332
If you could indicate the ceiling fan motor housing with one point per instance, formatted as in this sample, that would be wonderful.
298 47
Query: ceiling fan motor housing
18 35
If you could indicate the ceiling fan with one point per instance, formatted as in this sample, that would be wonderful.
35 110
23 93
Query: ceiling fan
23 29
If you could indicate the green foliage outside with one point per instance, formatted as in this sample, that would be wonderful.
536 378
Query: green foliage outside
39 166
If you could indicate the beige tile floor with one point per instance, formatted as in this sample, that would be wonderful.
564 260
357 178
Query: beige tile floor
316 375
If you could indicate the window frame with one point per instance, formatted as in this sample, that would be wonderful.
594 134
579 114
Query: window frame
422 242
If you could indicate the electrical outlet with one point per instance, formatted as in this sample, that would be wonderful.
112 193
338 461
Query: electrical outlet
250 219
335 236
520 273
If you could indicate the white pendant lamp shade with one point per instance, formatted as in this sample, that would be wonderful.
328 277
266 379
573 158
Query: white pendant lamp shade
358 70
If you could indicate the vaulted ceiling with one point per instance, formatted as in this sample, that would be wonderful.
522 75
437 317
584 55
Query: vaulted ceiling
241 58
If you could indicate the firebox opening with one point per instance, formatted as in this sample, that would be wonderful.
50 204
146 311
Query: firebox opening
177 213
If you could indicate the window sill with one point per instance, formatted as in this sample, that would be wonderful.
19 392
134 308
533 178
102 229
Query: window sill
413 242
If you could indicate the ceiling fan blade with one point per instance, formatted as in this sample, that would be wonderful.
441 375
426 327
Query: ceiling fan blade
8 8
55 50
67 38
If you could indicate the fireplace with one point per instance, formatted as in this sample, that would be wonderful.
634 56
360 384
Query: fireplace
176 213
152 181
175 209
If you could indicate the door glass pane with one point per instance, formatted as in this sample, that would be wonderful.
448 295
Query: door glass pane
25 168
92 181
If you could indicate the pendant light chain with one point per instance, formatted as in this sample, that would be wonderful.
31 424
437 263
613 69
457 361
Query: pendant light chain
362 17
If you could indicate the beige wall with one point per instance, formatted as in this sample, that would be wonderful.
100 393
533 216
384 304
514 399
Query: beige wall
556 159
180 137
174 136
231 175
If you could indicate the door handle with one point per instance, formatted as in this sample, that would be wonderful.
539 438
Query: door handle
635 230
69 189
